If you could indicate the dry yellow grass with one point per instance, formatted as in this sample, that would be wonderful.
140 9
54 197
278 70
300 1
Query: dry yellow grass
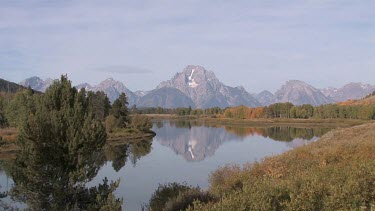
365 101
335 173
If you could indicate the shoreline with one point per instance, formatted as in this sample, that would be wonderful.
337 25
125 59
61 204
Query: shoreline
263 122
9 148
131 138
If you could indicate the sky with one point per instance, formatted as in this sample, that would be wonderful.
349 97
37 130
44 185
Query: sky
255 44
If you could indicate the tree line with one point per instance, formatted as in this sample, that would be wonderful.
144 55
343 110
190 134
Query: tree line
288 110
277 110
179 111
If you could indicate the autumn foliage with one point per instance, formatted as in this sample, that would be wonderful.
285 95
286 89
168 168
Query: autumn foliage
243 112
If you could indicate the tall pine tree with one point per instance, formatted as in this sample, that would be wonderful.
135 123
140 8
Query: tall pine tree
120 110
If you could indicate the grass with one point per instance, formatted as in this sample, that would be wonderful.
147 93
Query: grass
335 173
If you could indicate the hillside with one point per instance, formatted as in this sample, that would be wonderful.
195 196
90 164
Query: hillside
369 100
334 173
165 97
7 86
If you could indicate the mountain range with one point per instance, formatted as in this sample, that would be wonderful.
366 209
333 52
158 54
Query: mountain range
350 91
199 88
36 83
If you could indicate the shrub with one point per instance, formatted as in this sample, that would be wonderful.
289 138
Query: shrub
187 198
140 122
166 192
110 123
3 121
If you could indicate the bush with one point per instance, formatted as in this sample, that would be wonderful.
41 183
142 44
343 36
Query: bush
165 192
186 199
141 122
3 121
110 123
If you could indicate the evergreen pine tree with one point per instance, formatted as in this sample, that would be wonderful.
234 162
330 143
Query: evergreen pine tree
120 110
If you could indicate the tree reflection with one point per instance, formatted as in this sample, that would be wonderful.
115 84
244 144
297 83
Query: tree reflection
279 133
47 178
120 151
139 150
52 177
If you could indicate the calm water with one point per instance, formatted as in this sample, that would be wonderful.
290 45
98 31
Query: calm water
183 151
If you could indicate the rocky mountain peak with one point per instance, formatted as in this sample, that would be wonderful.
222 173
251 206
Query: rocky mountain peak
110 82
349 91
191 77
265 98
37 83
86 86
206 90
296 84
114 88
299 92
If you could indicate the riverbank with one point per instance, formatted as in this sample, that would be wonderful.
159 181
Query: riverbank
9 148
130 135
267 122
334 173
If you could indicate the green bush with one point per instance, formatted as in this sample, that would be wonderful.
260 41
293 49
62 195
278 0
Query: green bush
186 199
165 192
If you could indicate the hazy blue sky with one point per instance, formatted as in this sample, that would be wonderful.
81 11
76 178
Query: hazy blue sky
256 44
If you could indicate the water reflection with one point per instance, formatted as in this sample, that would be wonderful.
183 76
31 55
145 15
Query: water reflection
121 152
53 179
278 133
182 151
197 140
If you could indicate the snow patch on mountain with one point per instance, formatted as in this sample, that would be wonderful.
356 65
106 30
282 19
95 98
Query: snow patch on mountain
192 82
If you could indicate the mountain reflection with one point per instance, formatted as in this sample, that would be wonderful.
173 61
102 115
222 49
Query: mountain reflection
52 179
196 140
